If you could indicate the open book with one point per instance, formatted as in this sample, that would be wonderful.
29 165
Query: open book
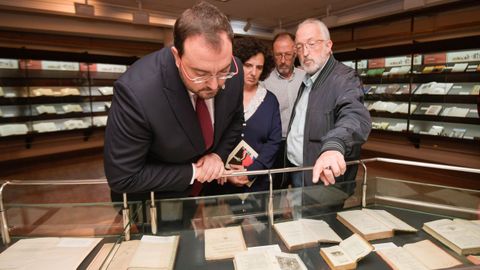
47 253
346 255
422 255
243 154
305 233
373 224
462 236
223 243
155 252
267 260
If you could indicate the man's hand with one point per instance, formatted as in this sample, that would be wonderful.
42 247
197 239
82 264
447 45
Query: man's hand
329 165
236 180
208 168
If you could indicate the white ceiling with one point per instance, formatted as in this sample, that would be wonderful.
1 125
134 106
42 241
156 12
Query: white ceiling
266 16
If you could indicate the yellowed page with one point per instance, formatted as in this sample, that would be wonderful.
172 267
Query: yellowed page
123 256
390 220
294 234
322 231
356 247
456 232
400 259
431 255
155 252
363 222
100 257
50 253
223 243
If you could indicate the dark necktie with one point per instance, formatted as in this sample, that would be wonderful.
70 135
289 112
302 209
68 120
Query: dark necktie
205 122
207 131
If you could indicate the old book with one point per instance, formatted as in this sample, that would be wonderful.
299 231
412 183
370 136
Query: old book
305 233
122 255
373 224
155 252
74 124
101 256
346 255
462 236
42 92
223 243
72 108
47 253
44 127
48 109
420 255
69 92
106 90
13 129
267 260
243 154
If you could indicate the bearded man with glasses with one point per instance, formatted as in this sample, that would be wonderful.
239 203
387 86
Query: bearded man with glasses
284 82
329 121
177 113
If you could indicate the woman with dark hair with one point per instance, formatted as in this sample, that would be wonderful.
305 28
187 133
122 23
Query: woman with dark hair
262 130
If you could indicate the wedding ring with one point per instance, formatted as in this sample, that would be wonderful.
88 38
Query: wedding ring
328 168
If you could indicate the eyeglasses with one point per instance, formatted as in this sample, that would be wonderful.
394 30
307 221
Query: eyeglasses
287 55
311 44
206 78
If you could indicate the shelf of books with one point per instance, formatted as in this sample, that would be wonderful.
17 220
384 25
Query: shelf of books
434 94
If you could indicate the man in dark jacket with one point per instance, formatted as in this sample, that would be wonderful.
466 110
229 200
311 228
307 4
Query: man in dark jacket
177 113
329 122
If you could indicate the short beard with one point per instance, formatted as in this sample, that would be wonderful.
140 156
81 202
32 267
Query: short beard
312 68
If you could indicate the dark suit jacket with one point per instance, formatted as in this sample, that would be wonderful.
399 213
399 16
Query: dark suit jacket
336 117
152 134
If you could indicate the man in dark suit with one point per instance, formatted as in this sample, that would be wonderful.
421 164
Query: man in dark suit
155 138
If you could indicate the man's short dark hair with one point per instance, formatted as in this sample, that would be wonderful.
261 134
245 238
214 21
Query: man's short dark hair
284 34
245 48
202 19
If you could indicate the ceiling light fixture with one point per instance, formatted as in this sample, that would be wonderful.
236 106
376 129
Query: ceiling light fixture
84 9
140 16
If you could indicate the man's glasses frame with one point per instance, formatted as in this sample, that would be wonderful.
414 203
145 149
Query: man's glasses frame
310 45
286 55
203 79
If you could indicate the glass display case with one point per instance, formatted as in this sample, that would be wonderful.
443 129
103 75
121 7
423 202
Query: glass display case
256 214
